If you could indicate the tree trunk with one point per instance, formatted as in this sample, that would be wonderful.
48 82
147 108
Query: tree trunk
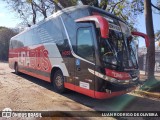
34 14
150 33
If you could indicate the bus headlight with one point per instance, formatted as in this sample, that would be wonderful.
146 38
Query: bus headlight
113 80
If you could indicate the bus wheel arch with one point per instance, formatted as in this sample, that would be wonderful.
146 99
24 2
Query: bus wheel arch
57 79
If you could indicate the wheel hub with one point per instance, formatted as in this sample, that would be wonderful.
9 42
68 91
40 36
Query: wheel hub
59 81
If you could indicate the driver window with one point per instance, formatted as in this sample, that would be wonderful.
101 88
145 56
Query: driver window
85 47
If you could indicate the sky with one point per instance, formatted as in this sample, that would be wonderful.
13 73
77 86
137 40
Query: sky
9 19
141 24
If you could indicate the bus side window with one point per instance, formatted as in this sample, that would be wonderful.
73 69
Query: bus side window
35 39
10 45
28 38
85 44
17 42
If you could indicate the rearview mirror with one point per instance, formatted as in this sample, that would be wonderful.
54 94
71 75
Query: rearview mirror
142 35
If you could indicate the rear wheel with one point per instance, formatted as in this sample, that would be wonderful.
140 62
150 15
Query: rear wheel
58 82
16 69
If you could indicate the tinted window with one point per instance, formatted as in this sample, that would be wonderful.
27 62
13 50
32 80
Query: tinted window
50 31
17 42
43 34
55 30
28 38
85 43
35 38
10 45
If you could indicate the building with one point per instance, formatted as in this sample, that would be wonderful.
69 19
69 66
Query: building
142 58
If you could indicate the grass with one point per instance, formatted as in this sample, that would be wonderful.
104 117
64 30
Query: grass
151 86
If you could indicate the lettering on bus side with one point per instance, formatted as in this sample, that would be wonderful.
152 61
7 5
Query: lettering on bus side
117 75
66 53
35 58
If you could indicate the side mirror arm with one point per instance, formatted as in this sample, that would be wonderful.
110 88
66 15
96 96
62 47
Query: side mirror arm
144 36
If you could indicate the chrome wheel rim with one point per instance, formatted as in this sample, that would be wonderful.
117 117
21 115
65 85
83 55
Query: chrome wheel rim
59 81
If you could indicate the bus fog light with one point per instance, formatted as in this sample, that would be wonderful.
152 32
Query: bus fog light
123 81
108 91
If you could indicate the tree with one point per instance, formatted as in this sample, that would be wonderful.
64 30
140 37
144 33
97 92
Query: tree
127 10
5 35
67 3
156 7
24 10
31 11
91 2
150 33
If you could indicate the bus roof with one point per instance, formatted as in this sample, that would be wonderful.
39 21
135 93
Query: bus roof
90 9
70 10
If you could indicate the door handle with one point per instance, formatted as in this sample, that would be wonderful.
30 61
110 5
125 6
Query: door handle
78 69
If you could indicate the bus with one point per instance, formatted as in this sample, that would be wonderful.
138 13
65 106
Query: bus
81 48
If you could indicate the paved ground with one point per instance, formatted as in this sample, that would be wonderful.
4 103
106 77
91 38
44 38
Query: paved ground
26 93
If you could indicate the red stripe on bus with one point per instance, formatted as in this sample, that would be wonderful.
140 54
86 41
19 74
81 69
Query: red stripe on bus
95 94
117 75
36 75
79 89
102 95
69 86
35 57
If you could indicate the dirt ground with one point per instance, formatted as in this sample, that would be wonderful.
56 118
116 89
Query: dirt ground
26 93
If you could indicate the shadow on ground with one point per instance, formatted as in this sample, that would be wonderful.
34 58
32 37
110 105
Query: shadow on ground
122 103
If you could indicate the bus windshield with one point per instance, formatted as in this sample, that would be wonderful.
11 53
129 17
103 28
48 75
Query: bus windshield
118 51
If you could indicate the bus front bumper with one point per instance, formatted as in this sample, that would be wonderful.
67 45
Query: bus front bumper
110 94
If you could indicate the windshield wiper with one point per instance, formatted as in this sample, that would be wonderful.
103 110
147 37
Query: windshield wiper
118 67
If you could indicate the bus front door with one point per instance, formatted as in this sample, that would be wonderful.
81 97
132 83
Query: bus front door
85 61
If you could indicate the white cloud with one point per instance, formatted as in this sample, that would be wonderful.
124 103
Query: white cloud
2 14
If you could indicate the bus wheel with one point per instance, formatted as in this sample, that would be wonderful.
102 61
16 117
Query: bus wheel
16 69
58 82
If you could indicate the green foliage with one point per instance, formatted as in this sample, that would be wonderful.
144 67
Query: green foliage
31 11
127 10
89 2
67 3
156 7
5 35
151 85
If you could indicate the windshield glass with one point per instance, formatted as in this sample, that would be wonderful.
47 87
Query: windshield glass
118 51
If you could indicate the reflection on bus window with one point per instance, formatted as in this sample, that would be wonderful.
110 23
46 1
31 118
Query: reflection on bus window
85 43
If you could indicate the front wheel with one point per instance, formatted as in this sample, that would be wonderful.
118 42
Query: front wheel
58 82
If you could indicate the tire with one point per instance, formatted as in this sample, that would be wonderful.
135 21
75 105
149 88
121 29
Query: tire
58 82
16 69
